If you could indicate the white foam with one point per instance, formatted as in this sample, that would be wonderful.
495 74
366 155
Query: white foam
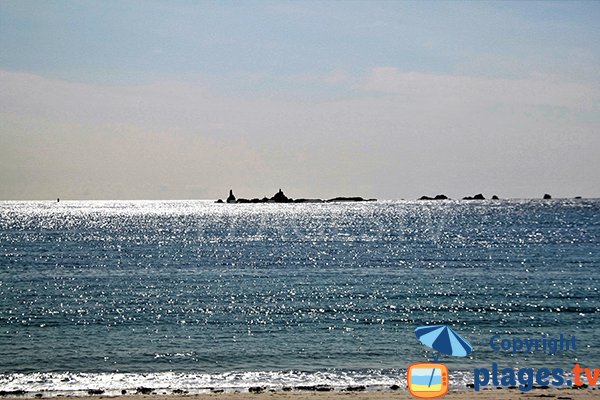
114 383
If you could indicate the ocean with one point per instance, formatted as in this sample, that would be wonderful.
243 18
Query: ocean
197 296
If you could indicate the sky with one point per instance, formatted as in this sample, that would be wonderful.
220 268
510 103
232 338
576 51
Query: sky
385 99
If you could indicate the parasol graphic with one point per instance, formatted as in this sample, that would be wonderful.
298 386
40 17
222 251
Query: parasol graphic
444 340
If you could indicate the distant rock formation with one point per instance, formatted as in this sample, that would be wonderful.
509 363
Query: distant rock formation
476 197
438 197
547 196
280 197
494 197
345 199
308 201
577 197
231 198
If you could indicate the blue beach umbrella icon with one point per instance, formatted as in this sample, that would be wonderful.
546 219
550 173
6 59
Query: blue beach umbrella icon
444 340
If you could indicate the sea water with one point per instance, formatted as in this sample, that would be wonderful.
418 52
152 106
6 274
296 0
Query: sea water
194 295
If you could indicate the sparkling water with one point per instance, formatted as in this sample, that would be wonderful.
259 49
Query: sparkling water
194 295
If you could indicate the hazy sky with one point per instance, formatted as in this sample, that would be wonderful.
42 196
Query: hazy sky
186 99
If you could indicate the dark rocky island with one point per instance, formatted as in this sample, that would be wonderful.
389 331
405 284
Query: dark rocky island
476 197
438 197
280 197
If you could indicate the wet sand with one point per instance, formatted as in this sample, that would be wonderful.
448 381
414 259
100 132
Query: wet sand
499 394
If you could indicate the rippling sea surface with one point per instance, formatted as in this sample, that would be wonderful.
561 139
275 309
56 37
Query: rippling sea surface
191 294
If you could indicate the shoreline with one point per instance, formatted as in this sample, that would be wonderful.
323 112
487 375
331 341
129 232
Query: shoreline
486 393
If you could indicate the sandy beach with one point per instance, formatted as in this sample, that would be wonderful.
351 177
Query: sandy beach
496 394
401 395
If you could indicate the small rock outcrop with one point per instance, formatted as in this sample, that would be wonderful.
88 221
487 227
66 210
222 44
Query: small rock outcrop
494 197
231 198
336 199
476 197
547 196
438 197
315 388
279 197
360 388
